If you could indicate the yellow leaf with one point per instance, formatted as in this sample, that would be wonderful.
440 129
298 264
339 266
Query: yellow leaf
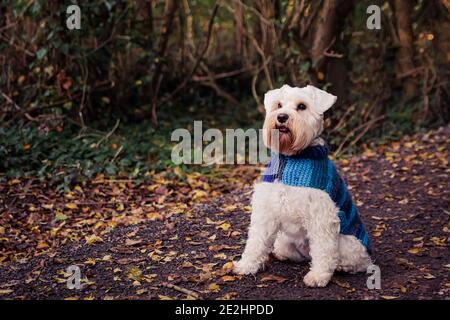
42 245
198 194
228 266
220 256
90 262
141 291
13 182
134 273
154 216
224 226
161 297
92 239
414 250
320 75
214 287
71 206
228 278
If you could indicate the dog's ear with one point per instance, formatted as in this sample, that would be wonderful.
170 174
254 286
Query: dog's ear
270 97
322 99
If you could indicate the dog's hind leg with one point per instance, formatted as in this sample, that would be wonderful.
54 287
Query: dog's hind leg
353 256
322 225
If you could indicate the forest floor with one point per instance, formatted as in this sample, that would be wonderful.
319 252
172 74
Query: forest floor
176 239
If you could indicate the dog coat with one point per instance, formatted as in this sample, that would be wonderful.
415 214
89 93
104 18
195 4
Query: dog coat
311 168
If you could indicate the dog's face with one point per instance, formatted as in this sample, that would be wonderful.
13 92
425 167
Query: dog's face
297 113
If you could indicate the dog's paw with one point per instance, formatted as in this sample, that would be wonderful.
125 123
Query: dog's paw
315 279
242 267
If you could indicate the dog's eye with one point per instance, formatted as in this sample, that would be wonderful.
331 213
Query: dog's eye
279 106
301 106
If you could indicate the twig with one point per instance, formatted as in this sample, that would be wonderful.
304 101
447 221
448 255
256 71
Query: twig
254 81
304 27
263 57
11 101
83 98
344 119
221 75
365 126
199 56
112 34
108 134
180 289
117 154
412 72
213 84
332 54
260 16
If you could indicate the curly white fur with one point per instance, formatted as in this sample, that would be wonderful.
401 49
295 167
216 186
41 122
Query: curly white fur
299 223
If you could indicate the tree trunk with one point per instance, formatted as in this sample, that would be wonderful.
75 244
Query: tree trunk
404 58
239 20
170 9
326 36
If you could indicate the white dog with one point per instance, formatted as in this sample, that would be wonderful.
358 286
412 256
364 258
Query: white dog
302 209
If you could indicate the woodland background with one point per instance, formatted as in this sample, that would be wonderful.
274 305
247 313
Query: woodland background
86 117
105 98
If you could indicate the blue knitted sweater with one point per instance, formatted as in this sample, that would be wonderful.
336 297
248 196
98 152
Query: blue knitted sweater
312 168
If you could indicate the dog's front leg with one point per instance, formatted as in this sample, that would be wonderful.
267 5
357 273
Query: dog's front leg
261 237
323 234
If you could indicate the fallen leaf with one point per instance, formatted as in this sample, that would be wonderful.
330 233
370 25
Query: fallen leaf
71 206
224 226
228 278
130 242
90 240
6 291
272 277
214 287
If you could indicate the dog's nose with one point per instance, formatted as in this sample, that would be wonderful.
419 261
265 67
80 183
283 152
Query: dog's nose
282 117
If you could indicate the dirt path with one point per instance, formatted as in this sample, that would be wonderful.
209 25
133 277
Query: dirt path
402 192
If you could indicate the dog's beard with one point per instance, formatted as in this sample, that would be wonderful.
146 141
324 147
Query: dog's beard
291 141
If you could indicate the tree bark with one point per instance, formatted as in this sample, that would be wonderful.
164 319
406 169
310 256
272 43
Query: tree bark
329 25
170 9
404 58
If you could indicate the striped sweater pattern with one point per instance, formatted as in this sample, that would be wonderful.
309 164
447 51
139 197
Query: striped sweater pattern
311 168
